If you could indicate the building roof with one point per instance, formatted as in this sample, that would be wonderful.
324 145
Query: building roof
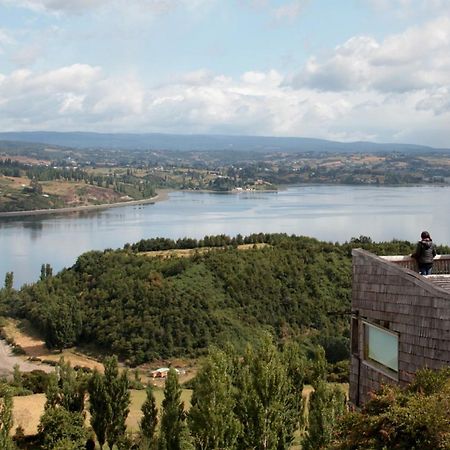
443 281
441 269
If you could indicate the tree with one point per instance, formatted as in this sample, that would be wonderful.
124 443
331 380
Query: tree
173 431
66 388
212 420
326 405
99 406
17 376
149 419
416 417
60 429
9 281
35 186
46 271
118 397
6 418
266 400
63 322
109 401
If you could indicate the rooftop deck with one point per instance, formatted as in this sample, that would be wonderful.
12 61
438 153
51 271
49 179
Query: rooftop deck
441 268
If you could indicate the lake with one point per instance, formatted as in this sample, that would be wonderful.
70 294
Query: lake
330 213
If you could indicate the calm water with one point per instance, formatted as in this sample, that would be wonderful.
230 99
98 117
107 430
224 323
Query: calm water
331 213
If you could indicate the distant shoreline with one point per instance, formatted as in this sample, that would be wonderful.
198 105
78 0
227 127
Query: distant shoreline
162 195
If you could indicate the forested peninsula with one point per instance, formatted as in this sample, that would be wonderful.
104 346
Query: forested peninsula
146 301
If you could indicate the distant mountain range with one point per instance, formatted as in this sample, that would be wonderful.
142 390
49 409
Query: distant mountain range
158 141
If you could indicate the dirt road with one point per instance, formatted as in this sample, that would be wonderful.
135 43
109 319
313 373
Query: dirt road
8 361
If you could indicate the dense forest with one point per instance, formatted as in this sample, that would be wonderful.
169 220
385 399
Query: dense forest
143 307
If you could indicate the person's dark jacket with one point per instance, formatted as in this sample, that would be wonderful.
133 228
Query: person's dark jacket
425 251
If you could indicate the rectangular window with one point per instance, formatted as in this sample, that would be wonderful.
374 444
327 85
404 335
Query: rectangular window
381 346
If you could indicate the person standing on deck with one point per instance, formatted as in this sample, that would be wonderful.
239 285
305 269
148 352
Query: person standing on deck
425 253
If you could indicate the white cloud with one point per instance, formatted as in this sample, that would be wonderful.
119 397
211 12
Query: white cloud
419 58
81 6
437 101
65 6
289 11
84 97
405 8
279 11
5 40
27 55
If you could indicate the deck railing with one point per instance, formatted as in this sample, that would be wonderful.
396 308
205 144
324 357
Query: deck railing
441 264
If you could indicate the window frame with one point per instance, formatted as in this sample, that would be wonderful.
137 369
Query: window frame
373 363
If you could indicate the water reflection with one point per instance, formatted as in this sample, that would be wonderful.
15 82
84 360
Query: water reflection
331 213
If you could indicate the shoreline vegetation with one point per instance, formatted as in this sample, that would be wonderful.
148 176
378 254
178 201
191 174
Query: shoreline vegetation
163 194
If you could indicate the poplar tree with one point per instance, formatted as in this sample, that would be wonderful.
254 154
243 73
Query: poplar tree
327 403
109 401
212 420
149 419
6 419
98 406
265 398
118 397
9 280
173 433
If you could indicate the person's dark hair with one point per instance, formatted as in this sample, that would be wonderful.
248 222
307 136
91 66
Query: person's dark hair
425 235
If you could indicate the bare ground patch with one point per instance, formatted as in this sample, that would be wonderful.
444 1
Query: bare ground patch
27 411
185 253
23 334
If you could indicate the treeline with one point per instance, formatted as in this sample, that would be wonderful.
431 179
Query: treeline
221 240
143 308
248 399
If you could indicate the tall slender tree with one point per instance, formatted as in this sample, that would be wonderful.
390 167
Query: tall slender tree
99 406
212 420
109 400
265 398
326 405
118 397
173 426
149 419
9 280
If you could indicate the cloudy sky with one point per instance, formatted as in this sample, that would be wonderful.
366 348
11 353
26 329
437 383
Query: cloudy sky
374 70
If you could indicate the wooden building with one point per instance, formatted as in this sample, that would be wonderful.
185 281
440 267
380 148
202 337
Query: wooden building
400 321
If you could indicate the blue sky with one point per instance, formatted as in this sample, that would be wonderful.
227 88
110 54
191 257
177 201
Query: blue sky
352 70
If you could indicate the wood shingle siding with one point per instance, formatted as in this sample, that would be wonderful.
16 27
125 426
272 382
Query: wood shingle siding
388 294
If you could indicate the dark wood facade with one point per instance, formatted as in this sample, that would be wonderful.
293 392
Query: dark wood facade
411 310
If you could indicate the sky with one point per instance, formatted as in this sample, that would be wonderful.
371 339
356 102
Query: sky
348 70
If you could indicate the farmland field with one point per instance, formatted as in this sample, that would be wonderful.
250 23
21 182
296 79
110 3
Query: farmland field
28 409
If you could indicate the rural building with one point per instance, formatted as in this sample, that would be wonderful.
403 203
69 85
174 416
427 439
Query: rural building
162 372
400 321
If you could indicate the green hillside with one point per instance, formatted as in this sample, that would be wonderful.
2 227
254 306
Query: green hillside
141 307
